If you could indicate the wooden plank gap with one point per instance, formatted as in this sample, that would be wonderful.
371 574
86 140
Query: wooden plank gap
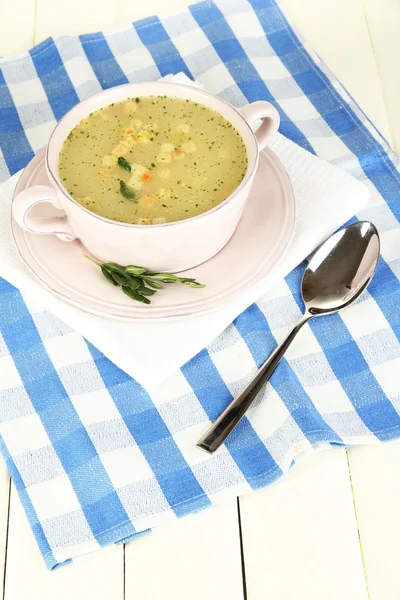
389 138
35 12
242 551
358 526
6 540
124 573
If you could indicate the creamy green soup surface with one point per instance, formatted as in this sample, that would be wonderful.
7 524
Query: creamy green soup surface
152 160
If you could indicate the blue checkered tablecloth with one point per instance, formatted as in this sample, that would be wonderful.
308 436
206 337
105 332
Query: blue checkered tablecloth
95 458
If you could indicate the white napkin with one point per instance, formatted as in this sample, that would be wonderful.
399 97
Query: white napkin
326 197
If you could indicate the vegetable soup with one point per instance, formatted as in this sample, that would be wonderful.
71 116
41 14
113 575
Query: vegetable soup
152 160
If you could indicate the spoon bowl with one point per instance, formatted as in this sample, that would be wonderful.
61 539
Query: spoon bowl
337 273
340 270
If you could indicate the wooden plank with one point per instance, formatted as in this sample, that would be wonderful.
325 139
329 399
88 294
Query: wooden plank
132 11
99 575
338 32
376 487
383 20
4 502
17 25
197 558
300 535
73 17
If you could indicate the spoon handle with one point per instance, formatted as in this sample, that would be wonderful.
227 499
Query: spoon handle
231 416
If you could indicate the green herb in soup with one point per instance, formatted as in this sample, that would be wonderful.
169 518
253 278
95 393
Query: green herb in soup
152 160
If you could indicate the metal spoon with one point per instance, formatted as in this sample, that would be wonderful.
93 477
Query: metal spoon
338 272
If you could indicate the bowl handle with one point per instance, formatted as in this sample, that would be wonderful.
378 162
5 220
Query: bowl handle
27 199
266 111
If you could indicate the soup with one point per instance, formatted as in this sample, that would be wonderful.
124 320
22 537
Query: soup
152 160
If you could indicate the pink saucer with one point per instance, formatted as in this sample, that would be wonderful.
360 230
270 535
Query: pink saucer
257 244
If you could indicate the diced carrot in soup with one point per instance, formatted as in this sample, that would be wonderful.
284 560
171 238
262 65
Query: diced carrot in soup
147 201
176 157
178 154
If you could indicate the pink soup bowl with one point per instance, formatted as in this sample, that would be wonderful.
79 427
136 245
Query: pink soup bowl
174 246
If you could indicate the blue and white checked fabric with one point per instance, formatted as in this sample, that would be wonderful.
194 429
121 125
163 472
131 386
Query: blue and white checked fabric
95 458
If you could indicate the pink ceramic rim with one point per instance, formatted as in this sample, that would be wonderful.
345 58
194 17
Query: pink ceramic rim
249 172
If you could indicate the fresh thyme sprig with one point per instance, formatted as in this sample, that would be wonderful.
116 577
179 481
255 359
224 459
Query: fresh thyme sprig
137 282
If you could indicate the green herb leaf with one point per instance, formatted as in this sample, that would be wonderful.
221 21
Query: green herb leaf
152 284
145 291
134 270
192 284
164 277
124 164
118 278
108 275
114 267
135 296
127 192
136 282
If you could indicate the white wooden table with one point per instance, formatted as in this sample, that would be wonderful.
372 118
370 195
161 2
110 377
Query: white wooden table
330 530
